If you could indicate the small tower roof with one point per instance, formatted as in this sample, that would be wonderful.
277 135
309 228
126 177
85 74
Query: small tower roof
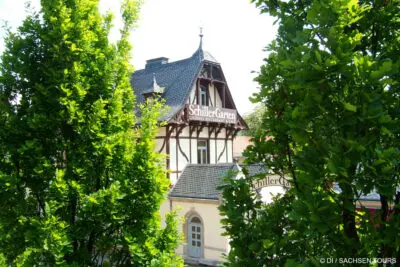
201 54
155 88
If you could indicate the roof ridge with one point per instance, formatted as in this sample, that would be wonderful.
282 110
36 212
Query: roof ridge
212 164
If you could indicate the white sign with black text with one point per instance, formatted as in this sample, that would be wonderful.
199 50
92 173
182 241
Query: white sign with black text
211 114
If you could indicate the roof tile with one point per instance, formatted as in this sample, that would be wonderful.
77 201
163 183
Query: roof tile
177 78
201 180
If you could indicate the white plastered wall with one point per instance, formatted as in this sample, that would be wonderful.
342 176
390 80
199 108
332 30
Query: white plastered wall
172 160
214 244
212 151
220 149
185 147
192 96
215 97
229 150
194 151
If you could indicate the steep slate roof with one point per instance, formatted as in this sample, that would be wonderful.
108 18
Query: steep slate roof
201 180
177 78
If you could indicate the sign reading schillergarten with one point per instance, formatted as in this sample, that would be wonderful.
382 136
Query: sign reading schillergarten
211 114
274 180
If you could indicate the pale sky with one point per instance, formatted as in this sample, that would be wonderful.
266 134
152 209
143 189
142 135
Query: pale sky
234 33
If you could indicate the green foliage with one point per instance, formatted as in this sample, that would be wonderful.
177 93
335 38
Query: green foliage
80 185
253 121
168 240
330 86
3 261
274 233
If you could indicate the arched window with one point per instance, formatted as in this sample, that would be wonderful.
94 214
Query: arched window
195 219
195 237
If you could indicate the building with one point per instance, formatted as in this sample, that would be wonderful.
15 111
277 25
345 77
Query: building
202 119
201 124
197 199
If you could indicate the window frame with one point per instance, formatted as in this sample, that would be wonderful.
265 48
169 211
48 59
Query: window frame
201 149
203 92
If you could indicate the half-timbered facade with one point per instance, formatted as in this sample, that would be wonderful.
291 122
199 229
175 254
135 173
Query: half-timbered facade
202 119
201 123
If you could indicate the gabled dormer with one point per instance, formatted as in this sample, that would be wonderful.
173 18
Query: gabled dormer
210 100
195 89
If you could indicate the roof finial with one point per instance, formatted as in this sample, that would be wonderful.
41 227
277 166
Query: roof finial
154 79
201 37
156 88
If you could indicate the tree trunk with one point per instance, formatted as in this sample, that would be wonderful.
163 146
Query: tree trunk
348 217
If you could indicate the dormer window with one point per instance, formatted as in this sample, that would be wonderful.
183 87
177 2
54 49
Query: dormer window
203 96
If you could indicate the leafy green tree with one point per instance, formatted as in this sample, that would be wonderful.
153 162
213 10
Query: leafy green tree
271 234
331 90
79 184
253 121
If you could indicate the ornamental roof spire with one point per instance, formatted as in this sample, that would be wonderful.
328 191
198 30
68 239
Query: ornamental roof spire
156 88
200 53
201 38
